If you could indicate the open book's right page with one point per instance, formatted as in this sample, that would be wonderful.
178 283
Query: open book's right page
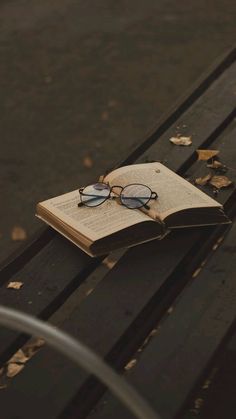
174 193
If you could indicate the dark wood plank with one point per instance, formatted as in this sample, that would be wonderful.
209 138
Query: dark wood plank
114 318
187 339
48 278
21 256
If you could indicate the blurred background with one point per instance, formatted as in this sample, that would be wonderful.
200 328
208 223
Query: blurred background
81 81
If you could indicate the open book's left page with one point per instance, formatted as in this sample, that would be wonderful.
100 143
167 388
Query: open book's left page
93 223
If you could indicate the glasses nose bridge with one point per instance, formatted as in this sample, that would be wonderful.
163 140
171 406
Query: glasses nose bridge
117 186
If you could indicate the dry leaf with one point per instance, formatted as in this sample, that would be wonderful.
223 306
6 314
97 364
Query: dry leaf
18 233
13 369
104 116
109 263
198 403
216 164
87 162
18 357
203 180
1 371
130 364
181 140
2 386
197 272
206 384
33 346
206 154
16 285
220 181
89 291
112 103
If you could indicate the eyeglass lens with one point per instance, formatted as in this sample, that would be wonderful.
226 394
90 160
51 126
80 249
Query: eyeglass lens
96 194
135 196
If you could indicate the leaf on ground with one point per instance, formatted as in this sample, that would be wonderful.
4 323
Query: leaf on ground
105 116
203 180
206 154
112 103
16 285
220 181
216 164
185 141
18 233
14 369
88 162
19 357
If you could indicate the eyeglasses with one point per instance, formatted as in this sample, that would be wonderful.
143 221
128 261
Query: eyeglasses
134 195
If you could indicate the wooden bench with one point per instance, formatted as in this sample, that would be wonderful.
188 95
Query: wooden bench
164 315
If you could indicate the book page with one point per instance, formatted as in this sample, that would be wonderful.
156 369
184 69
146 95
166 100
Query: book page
94 223
174 193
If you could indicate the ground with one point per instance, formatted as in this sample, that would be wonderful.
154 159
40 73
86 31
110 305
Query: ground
81 82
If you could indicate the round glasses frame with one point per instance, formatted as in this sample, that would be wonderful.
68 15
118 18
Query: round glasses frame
153 195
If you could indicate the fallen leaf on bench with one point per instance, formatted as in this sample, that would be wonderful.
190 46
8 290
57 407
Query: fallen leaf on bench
198 403
18 234
185 141
130 364
216 164
206 154
18 357
33 346
170 309
109 263
16 285
14 369
87 162
206 384
203 180
220 181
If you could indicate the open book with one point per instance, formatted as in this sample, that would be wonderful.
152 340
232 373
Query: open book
100 229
